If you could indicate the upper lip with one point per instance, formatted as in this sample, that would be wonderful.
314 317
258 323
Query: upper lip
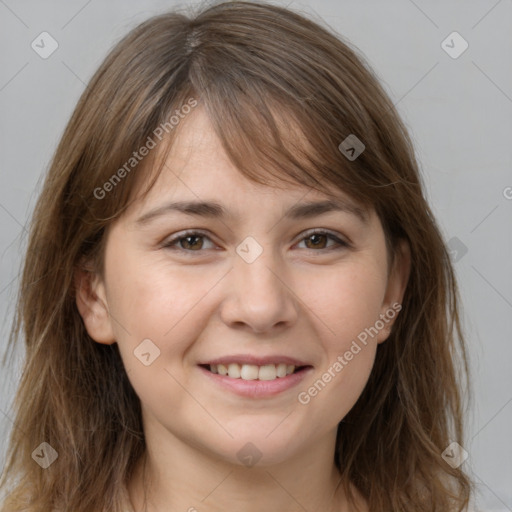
256 360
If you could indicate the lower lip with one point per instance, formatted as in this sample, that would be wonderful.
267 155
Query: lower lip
257 388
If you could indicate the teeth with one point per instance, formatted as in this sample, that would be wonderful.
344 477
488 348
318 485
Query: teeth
281 370
234 371
248 371
252 371
268 372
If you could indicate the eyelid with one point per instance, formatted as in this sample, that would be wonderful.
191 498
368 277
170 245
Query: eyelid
169 243
324 231
339 239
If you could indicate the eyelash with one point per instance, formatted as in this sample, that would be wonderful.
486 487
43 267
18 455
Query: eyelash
170 244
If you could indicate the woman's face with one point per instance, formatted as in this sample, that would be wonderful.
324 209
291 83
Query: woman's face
256 291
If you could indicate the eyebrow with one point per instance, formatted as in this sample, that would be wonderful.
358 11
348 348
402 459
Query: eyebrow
211 209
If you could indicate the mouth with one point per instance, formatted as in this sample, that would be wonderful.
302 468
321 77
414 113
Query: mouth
253 372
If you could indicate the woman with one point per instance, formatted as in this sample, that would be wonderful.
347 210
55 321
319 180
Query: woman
235 294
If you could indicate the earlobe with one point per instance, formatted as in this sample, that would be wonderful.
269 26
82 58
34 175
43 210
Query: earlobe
397 284
92 305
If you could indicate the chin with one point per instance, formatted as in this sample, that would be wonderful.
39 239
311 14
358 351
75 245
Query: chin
258 450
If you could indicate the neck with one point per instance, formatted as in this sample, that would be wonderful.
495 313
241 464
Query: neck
176 477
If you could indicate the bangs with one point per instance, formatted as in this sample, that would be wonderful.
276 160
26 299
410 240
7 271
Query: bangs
280 101
270 139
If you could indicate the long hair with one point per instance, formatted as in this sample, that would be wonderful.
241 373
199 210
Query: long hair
282 92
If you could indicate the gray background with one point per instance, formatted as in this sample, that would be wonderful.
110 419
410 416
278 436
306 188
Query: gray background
459 112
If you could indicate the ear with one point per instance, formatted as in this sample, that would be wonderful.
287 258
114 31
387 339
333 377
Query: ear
397 283
92 305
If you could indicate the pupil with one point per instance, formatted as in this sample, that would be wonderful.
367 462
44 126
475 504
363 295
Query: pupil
316 237
191 237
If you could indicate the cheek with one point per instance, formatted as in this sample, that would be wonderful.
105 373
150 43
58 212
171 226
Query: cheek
338 383
347 300
154 301
346 306
163 307
168 307
332 392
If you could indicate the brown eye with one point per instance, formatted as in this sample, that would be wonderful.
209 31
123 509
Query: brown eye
193 245
188 242
193 241
319 240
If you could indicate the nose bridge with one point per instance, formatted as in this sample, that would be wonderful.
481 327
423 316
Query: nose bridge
256 267
258 294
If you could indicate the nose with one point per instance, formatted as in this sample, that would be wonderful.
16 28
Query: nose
258 296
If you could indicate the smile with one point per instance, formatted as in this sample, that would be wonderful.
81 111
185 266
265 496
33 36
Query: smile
256 381
252 371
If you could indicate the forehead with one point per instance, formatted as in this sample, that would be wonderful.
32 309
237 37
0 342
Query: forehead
196 176
197 164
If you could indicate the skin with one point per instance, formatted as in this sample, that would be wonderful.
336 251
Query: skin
295 299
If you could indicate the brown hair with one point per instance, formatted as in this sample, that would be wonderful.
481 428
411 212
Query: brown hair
251 65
